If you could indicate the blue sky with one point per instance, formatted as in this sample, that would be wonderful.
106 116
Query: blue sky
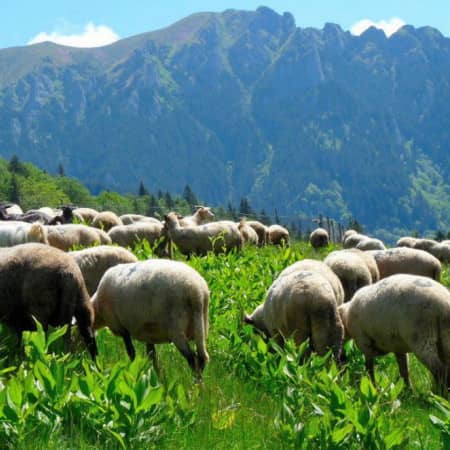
24 21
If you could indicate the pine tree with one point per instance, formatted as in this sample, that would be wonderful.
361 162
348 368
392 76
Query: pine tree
189 196
231 211
264 217
277 219
244 207
14 194
142 189
168 200
14 164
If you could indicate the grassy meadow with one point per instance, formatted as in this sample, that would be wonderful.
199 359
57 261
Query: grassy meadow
253 395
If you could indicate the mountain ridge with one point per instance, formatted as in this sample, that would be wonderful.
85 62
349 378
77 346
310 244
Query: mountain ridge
244 103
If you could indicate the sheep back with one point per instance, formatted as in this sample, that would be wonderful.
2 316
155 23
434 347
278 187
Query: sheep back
39 281
407 260
313 265
95 261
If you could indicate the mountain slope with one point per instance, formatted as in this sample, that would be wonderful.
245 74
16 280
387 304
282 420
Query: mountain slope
244 103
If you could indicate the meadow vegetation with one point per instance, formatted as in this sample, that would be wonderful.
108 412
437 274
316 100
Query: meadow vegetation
253 395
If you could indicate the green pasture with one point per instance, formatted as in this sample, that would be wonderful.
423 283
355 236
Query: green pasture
253 395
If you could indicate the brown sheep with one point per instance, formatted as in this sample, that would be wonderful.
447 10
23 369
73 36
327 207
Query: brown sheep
40 281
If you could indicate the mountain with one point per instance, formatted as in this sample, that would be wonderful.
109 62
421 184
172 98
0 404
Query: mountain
244 103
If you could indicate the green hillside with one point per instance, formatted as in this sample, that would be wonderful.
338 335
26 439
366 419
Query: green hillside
246 104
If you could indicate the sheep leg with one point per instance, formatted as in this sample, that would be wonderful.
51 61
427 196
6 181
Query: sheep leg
182 344
429 357
151 352
67 338
402 361
370 367
128 344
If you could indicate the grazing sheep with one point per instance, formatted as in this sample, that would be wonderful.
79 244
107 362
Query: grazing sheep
261 230
248 234
87 214
442 252
129 219
278 235
370 244
406 241
130 235
348 233
319 238
95 261
203 214
43 282
402 314
312 265
65 237
216 236
155 301
14 233
407 260
301 304
425 244
351 269
369 261
14 209
353 240
105 220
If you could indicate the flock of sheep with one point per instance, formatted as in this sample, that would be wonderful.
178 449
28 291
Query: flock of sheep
386 300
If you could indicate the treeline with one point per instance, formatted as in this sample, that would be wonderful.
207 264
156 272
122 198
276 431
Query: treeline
30 187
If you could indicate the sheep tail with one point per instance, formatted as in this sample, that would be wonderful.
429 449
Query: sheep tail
200 322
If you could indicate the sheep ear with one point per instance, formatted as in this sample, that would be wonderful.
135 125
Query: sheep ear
248 319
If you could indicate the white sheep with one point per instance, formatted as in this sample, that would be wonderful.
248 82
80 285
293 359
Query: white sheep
261 230
14 210
278 235
352 240
370 244
402 314
105 220
351 269
14 233
203 214
301 305
155 301
249 235
129 219
87 214
319 238
66 236
313 265
130 235
407 260
216 236
95 261
406 241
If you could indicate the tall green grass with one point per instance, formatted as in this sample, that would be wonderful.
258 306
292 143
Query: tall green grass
253 395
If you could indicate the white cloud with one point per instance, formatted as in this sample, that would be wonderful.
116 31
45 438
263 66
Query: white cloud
92 36
388 26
